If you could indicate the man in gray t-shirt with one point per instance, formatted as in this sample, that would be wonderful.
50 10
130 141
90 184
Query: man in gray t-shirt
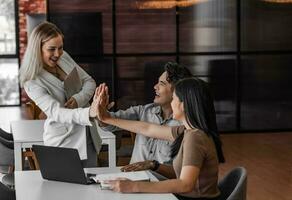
159 112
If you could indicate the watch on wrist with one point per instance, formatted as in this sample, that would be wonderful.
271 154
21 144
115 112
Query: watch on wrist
156 165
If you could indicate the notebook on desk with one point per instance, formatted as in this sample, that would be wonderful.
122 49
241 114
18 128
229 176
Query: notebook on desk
133 176
61 164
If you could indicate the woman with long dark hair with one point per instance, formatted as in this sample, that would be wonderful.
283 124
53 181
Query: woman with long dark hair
196 145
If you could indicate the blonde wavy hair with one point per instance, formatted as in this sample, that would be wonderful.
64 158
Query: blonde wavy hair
32 63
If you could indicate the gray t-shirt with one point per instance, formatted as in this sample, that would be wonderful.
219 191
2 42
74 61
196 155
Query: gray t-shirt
146 148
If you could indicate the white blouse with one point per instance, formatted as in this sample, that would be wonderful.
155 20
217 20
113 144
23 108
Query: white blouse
63 127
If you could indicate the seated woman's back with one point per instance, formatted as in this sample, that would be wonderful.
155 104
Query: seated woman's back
198 149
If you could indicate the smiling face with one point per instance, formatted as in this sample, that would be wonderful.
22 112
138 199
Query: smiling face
177 108
163 91
52 50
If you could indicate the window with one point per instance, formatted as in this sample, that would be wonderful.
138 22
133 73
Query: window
7 27
144 30
266 92
266 25
208 26
219 72
9 91
241 48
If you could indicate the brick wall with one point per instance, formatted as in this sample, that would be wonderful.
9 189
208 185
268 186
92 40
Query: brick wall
25 7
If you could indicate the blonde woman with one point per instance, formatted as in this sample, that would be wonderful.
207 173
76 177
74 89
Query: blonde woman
44 68
196 147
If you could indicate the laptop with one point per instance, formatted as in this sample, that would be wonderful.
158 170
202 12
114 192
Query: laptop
61 164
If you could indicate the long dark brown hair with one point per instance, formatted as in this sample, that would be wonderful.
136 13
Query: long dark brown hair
199 112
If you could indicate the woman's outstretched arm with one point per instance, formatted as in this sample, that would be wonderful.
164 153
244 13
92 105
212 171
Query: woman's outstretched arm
184 184
144 128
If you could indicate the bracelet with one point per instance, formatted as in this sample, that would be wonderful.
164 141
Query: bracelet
156 165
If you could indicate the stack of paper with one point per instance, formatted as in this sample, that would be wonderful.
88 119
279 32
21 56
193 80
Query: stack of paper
133 176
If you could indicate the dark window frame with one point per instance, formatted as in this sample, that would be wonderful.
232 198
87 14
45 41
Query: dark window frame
238 53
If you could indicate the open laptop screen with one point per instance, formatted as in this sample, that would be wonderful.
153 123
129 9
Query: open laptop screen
60 164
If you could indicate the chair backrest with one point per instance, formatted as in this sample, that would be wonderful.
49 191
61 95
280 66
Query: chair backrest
233 185
32 20
6 139
6 152
6 193
34 111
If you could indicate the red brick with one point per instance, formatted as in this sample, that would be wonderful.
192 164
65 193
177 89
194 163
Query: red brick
27 6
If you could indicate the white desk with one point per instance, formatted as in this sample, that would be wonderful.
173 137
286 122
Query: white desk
29 132
30 185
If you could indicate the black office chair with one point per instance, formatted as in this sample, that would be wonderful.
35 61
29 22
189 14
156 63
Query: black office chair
233 185
6 139
7 157
6 193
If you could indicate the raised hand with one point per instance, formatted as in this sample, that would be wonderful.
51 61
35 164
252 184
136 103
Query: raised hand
99 105
102 95
103 99
95 103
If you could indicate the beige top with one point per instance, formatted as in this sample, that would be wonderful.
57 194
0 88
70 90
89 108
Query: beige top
198 149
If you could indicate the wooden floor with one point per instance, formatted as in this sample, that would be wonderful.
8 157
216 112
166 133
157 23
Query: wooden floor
268 160
266 156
